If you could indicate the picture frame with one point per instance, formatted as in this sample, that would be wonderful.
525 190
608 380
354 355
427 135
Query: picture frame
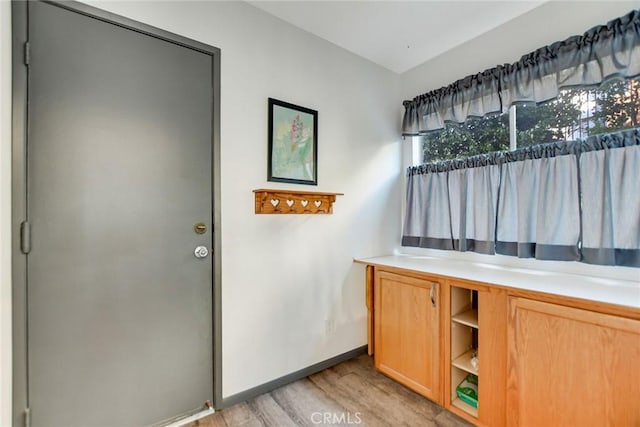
293 143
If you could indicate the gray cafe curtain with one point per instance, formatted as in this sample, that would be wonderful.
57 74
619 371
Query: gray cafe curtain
451 204
570 200
603 52
473 194
610 180
539 205
427 221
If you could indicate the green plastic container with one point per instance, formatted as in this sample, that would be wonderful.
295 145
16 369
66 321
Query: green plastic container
467 390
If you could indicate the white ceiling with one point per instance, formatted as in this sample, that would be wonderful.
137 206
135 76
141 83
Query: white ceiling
397 35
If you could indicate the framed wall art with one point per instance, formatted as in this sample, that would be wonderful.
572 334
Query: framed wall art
293 143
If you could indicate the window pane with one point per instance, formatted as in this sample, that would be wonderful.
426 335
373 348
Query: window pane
578 113
548 122
476 136
575 114
617 107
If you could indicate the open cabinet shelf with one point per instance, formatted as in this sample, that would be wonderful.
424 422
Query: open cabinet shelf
464 343
469 318
464 362
465 407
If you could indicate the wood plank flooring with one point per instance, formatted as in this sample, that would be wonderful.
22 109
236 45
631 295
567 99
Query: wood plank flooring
348 394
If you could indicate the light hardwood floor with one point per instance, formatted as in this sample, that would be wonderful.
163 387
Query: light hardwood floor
349 394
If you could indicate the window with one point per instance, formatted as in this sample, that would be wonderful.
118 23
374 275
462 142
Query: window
567 189
576 113
475 136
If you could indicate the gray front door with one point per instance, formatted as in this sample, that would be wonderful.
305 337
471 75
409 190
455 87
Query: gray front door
118 172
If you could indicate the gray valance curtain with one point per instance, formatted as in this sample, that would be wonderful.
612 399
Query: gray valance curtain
603 52
572 201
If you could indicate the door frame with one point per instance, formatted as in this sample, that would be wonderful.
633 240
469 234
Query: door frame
19 189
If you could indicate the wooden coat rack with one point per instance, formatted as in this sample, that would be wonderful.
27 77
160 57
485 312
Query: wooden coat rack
294 202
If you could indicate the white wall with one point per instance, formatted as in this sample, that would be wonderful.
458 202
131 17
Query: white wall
548 23
5 213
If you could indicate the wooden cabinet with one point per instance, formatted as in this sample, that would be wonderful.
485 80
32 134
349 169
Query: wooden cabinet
475 327
543 360
492 356
568 366
407 339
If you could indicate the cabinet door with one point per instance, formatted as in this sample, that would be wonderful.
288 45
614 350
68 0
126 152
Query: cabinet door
571 367
406 332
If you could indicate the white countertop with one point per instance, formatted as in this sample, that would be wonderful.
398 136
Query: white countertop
612 291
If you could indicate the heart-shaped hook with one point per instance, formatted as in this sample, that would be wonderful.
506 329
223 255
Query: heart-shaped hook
317 203
289 203
275 202
304 203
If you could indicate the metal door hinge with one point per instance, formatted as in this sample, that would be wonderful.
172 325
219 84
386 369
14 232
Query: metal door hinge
25 237
27 418
27 53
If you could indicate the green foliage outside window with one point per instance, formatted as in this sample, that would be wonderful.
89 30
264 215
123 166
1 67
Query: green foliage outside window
619 107
475 136
575 114
548 122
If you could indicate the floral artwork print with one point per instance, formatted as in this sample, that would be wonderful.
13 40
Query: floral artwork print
293 145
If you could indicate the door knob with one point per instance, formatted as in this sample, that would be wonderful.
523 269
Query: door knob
201 252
